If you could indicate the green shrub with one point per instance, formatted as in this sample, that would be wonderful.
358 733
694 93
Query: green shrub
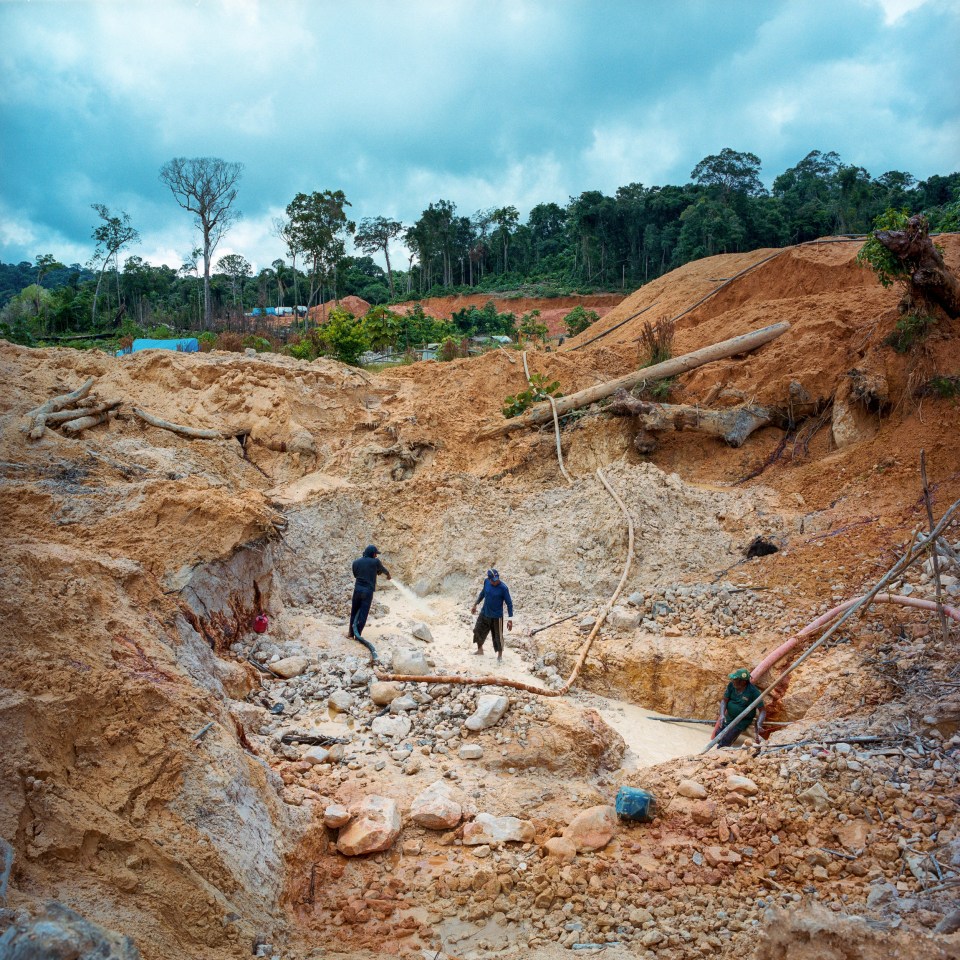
578 319
909 330
538 390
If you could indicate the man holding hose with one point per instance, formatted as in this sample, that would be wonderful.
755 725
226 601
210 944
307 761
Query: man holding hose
740 693
494 594
366 569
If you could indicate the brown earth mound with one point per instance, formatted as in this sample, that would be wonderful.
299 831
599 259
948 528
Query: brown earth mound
146 784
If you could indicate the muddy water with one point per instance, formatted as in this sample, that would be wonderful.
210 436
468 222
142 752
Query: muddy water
649 741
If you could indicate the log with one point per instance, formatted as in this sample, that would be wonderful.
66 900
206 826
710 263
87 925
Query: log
39 414
86 422
62 416
733 425
542 412
929 280
192 433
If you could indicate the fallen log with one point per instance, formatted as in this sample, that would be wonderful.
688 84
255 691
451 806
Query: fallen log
542 412
733 425
80 424
40 414
193 433
62 416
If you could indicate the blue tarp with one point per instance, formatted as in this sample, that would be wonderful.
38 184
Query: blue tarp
182 345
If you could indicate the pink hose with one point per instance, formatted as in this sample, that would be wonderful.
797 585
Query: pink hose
771 658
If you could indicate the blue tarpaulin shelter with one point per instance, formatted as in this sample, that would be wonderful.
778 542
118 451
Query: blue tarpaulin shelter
182 345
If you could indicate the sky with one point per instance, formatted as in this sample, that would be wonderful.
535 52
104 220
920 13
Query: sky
479 102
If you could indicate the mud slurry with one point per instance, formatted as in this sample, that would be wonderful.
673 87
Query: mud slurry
152 782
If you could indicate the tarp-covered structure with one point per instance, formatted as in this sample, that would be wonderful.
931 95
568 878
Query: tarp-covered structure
181 345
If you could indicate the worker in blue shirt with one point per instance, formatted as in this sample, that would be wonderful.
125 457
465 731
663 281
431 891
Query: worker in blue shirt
494 594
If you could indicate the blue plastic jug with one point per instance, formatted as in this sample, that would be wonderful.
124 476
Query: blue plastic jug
636 804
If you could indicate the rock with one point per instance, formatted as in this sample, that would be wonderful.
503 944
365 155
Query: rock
699 811
620 618
290 667
340 701
470 751
58 933
490 708
852 422
743 785
422 632
375 826
587 624
692 790
561 849
435 808
392 726
636 599
411 663
815 797
593 829
489 829
384 692
317 755
336 815
403 704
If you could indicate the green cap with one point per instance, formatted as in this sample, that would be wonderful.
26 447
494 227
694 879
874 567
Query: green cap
742 674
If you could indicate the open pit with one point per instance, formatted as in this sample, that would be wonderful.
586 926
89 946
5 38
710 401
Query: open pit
161 781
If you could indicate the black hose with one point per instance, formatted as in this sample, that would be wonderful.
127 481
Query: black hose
370 647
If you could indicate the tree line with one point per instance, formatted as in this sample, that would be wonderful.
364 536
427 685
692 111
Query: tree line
593 242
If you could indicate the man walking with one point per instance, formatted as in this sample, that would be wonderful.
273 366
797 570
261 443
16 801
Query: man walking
365 569
494 594
740 693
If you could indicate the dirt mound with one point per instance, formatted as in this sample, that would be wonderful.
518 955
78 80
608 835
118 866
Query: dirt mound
157 767
354 305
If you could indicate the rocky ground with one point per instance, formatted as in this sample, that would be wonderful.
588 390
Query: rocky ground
203 790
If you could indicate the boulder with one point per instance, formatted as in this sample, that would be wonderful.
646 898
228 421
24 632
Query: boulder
375 826
593 829
392 726
622 618
422 632
490 708
336 815
435 808
410 663
403 704
560 848
470 751
384 692
489 829
692 790
56 932
290 667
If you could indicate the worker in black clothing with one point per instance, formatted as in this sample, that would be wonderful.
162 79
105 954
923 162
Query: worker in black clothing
366 570
740 693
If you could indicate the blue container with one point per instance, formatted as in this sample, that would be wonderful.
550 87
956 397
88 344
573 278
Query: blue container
636 804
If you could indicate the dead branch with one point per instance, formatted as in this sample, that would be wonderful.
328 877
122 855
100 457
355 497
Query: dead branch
543 412
62 416
80 424
39 414
192 433
928 503
733 425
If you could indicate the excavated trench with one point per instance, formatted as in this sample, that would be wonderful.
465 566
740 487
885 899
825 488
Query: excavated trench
667 650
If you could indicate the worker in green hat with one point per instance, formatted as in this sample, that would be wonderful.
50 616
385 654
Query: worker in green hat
740 693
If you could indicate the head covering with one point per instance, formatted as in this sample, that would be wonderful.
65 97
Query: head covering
493 574
371 551
742 674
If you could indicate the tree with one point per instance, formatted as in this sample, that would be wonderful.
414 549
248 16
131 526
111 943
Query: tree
318 226
375 233
346 337
237 268
531 328
382 327
207 188
578 319
111 235
506 219
731 171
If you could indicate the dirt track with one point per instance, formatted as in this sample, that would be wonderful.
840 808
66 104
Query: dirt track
134 561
